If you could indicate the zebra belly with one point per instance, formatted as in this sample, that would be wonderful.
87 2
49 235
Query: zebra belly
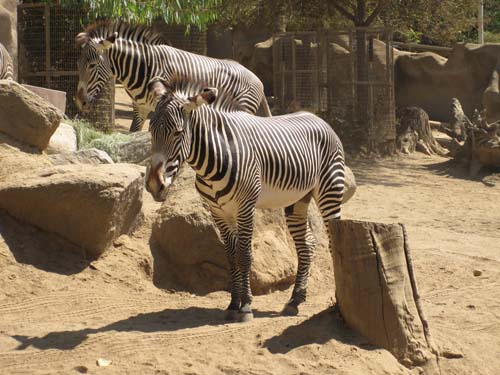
270 197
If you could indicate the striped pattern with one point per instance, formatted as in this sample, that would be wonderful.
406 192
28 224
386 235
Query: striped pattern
137 58
243 162
6 65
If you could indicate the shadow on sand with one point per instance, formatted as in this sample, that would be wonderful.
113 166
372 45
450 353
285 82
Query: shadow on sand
318 329
167 320
45 251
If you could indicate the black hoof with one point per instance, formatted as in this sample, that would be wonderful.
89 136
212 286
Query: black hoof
245 313
231 315
290 310
245 317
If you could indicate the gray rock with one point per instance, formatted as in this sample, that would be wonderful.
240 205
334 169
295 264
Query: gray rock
89 205
137 151
88 156
350 185
63 140
194 256
25 116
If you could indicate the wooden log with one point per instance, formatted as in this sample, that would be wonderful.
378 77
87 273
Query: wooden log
413 132
377 293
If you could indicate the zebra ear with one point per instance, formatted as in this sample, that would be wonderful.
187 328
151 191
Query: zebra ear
81 39
207 96
108 42
157 88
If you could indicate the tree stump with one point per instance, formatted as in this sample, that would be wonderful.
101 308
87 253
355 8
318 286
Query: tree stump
414 132
377 293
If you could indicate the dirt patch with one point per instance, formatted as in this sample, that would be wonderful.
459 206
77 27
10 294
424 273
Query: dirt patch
59 314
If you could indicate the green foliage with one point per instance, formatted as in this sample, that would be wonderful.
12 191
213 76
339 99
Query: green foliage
198 13
88 137
441 22
490 37
492 16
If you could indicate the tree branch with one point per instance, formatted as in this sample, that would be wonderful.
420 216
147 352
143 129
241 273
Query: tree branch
381 4
344 11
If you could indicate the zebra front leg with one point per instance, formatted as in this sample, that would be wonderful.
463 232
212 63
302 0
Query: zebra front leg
296 219
229 236
245 222
138 119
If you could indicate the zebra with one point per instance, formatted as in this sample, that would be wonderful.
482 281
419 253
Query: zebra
243 162
136 57
6 65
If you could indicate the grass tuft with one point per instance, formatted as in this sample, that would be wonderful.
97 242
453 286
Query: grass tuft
88 137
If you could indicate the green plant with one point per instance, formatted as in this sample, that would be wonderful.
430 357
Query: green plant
88 137
183 12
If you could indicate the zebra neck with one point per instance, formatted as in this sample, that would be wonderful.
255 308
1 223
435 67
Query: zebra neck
211 154
130 65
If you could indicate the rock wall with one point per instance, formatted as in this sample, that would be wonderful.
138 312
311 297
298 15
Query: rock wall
8 28
430 81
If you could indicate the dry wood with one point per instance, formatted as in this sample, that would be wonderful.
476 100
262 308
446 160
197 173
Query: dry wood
414 132
377 293
475 142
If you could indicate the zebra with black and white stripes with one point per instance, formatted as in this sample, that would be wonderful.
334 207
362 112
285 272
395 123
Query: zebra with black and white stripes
243 162
6 65
136 57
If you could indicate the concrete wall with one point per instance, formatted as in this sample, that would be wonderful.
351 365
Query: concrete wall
8 28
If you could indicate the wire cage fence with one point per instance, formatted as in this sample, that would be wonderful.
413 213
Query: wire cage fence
345 76
48 57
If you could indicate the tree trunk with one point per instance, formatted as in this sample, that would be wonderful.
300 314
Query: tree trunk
377 293
414 133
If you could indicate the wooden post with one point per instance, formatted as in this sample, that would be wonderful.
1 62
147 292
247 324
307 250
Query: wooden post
377 293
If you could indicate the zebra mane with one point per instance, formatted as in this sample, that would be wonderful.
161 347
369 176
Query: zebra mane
136 33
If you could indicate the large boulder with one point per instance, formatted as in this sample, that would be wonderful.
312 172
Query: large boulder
89 205
63 140
86 156
193 256
430 81
349 185
25 116
14 160
137 150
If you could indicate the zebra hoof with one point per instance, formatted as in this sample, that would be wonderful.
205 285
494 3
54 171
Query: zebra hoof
244 317
245 313
290 310
231 315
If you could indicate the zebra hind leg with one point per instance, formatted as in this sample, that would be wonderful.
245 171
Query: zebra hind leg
137 120
296 219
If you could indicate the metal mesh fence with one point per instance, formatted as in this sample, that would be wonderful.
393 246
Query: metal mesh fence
48 57
345 76
175 35
297 71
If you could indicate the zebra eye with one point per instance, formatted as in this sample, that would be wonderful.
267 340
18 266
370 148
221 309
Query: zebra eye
92 65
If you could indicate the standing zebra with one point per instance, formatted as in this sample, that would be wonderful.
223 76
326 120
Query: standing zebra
243 162
6 66
136 57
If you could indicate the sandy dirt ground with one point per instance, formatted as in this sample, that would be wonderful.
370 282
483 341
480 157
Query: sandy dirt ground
59 314
123 111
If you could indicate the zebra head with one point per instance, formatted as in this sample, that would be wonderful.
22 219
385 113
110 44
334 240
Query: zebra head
94 67
171 138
